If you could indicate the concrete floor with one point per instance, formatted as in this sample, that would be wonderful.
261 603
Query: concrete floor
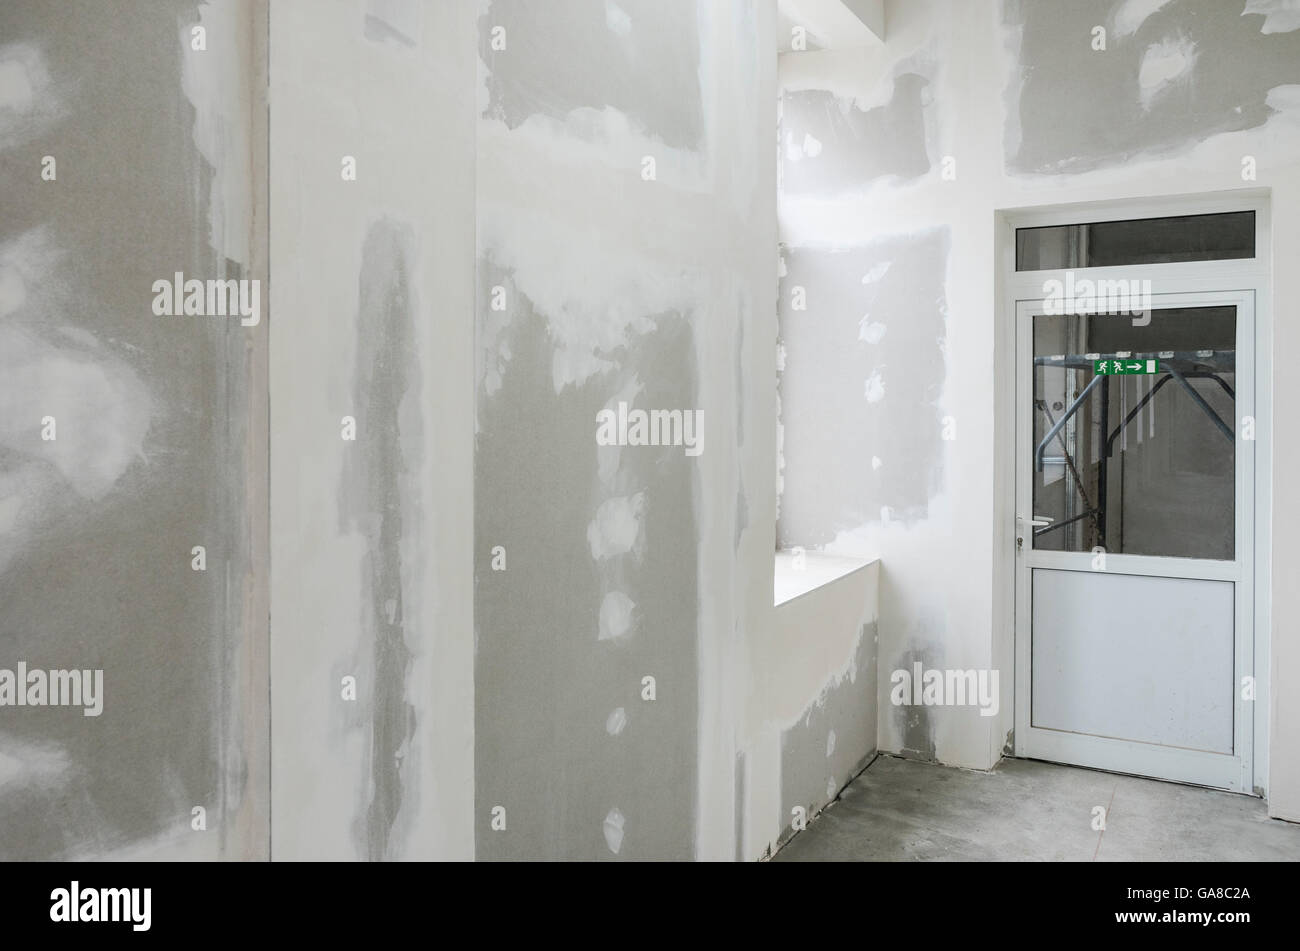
901 810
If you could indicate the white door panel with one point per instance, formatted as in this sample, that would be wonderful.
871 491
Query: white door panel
1133 658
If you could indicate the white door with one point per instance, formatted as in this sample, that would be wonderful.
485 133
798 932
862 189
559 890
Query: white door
1135 507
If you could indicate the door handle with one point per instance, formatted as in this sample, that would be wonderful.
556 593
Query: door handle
1037 520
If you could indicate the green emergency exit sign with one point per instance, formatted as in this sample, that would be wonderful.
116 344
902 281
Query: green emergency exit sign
1113 367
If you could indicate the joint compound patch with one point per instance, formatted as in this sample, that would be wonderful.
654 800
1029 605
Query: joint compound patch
614 41
1169 78
830 144
849 399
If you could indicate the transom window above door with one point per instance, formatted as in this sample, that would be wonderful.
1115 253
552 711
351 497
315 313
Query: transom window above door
1216 237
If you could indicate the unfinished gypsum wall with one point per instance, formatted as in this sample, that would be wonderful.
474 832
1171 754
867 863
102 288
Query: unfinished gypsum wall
862 331
1161 77
132 461
372 192
609 278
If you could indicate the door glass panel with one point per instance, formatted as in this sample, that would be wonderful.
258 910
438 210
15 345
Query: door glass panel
1135 461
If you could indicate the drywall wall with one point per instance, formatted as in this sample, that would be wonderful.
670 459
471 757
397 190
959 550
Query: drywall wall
625 283
864 334
1201 96
867 458
1171 73
134 477
372 199
814 727
626 236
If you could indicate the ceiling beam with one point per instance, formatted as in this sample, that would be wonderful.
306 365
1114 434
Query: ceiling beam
830 24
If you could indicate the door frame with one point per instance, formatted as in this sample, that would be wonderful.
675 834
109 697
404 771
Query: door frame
1242 276
1231 771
